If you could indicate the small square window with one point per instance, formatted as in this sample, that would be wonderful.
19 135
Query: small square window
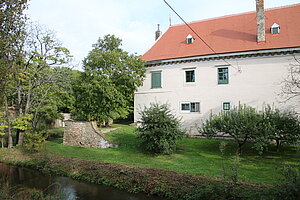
226 105
190 76
275 30
185 106
223 75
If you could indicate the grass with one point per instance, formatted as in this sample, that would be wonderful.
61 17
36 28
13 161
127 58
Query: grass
193 156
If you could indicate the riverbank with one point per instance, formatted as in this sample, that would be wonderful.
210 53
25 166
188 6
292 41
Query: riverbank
168 184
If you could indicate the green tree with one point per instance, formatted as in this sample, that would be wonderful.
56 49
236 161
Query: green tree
106 88
12 23
159 129
242 123
286 126
41 75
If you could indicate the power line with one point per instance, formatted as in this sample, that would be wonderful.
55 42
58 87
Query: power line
196 33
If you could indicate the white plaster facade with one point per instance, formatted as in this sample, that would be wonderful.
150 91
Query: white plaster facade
253 80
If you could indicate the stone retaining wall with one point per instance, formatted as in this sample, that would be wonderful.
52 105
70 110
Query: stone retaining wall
84 134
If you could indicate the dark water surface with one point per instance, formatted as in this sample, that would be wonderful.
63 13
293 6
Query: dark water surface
66 187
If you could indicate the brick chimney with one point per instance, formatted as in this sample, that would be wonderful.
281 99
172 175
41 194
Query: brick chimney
157 33
260 19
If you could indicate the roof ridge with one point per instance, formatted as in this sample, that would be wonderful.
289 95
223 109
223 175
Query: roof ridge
232 15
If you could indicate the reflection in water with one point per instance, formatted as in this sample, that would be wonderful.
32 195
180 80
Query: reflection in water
65 187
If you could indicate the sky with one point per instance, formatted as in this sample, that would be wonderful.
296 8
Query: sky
78 24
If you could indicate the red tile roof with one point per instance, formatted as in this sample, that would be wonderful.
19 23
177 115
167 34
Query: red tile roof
228 34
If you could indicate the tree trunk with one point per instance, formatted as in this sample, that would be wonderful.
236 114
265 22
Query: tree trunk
239 151
2 143
278 144
21 138
20 135
10 141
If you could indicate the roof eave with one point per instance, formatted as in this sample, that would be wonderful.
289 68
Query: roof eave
220 56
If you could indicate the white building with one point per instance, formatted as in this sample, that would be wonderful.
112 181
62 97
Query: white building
246 61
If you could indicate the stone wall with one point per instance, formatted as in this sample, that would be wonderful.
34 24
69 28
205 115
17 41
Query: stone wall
84 134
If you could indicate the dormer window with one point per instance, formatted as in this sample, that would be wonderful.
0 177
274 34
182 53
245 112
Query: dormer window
275 28
189 39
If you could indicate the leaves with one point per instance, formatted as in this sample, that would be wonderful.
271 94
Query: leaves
106 88
244 123
159 129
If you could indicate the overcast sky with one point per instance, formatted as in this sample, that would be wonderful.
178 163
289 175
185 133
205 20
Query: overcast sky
79 23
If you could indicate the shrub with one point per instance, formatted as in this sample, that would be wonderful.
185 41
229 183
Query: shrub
288 186
159 129
34 141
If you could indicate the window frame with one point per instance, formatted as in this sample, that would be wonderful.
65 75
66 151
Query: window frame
224 74
153 86
189 39
192 78
197 105
275 28
228 104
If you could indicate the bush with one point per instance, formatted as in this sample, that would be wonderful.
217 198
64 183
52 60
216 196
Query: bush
34 141
288 186
159 129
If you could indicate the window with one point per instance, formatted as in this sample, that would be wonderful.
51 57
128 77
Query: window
185 106
156 79
195 107
190 76
275 28
189 39
223 75
226 106
188 107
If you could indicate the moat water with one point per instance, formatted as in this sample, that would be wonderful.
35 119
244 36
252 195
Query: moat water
65 187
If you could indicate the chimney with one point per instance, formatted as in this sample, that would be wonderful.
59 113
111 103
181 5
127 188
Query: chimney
260 19
157 33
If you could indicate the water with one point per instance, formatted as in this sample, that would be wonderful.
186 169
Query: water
66 187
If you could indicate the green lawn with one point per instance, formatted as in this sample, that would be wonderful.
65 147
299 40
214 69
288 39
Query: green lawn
193 156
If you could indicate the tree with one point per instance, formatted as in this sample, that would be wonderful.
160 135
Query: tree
291 84
41 74
12 23
106 88
242 123
285 126
159 129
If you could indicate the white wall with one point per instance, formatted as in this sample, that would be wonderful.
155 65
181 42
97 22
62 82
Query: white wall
253 81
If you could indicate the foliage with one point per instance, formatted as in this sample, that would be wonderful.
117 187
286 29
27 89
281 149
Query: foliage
12 34
23 122
288 186
242 123
193 156
34 141
106 88
232 171
159 129
286 126
39 76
